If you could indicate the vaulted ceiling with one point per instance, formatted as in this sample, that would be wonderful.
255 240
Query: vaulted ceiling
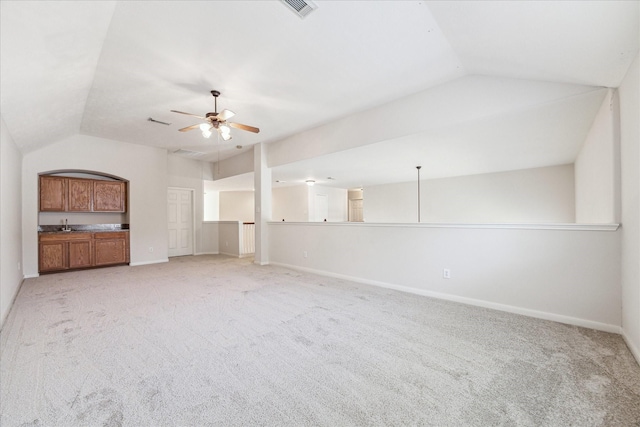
471 87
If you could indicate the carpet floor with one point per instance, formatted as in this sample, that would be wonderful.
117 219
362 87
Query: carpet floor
219 341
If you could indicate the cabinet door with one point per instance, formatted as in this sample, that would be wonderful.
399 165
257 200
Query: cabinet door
80 195
80 254
110 248
53 256
109 196
53 193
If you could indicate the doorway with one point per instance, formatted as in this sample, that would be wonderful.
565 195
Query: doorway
180 221
322 207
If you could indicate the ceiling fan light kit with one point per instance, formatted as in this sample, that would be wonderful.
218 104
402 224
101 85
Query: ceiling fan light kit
216 121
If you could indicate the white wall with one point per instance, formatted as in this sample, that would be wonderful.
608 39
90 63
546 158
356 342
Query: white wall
290 203
237 206
229 237
236 165
630 158
57 218
597 168
210 237
297 203
565 275
144 167
337 201
10 221
540 195
211 205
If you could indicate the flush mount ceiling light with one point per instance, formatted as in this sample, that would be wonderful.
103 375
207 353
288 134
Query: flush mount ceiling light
310 182
216 121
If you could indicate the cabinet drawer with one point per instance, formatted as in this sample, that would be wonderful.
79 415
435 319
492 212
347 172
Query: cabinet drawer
111 235
64 237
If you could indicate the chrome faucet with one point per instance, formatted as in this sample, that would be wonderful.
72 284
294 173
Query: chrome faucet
66 227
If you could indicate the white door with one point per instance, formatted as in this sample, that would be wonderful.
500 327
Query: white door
322 207
355 210
180 215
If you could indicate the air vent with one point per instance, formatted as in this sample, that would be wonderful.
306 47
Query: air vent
188 153
301 7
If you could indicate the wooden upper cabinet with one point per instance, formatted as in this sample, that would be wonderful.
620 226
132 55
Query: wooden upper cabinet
53 193
109 196
65 194
80 193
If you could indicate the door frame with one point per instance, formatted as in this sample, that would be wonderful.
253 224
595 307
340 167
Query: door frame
193 215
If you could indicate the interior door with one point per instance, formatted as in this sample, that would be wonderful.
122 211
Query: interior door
322 207
180 217
355 210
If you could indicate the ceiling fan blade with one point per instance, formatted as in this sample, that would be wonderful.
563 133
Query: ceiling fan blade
192 127
225 115
244 127
187 114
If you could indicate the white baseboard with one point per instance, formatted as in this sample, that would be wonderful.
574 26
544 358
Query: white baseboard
157 261
469 301
31 276
13 300
634 350
206 253
229 254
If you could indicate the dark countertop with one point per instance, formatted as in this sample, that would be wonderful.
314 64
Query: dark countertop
83 228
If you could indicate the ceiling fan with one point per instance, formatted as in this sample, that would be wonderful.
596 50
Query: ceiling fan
216 121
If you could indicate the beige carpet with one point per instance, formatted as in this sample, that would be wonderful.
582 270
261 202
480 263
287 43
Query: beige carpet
218 341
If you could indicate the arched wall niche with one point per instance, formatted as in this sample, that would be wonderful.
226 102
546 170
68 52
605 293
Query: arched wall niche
86 218
83 173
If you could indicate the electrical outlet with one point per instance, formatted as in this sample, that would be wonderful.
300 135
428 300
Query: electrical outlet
304 254
446 273
150 248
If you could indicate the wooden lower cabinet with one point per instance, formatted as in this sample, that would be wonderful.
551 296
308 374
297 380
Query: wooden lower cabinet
111 248
80 254
59 252
53 256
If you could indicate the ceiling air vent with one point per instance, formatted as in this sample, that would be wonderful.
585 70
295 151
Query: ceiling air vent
188 153
301 7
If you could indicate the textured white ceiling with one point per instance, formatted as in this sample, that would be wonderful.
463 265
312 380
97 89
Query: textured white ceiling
104 68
